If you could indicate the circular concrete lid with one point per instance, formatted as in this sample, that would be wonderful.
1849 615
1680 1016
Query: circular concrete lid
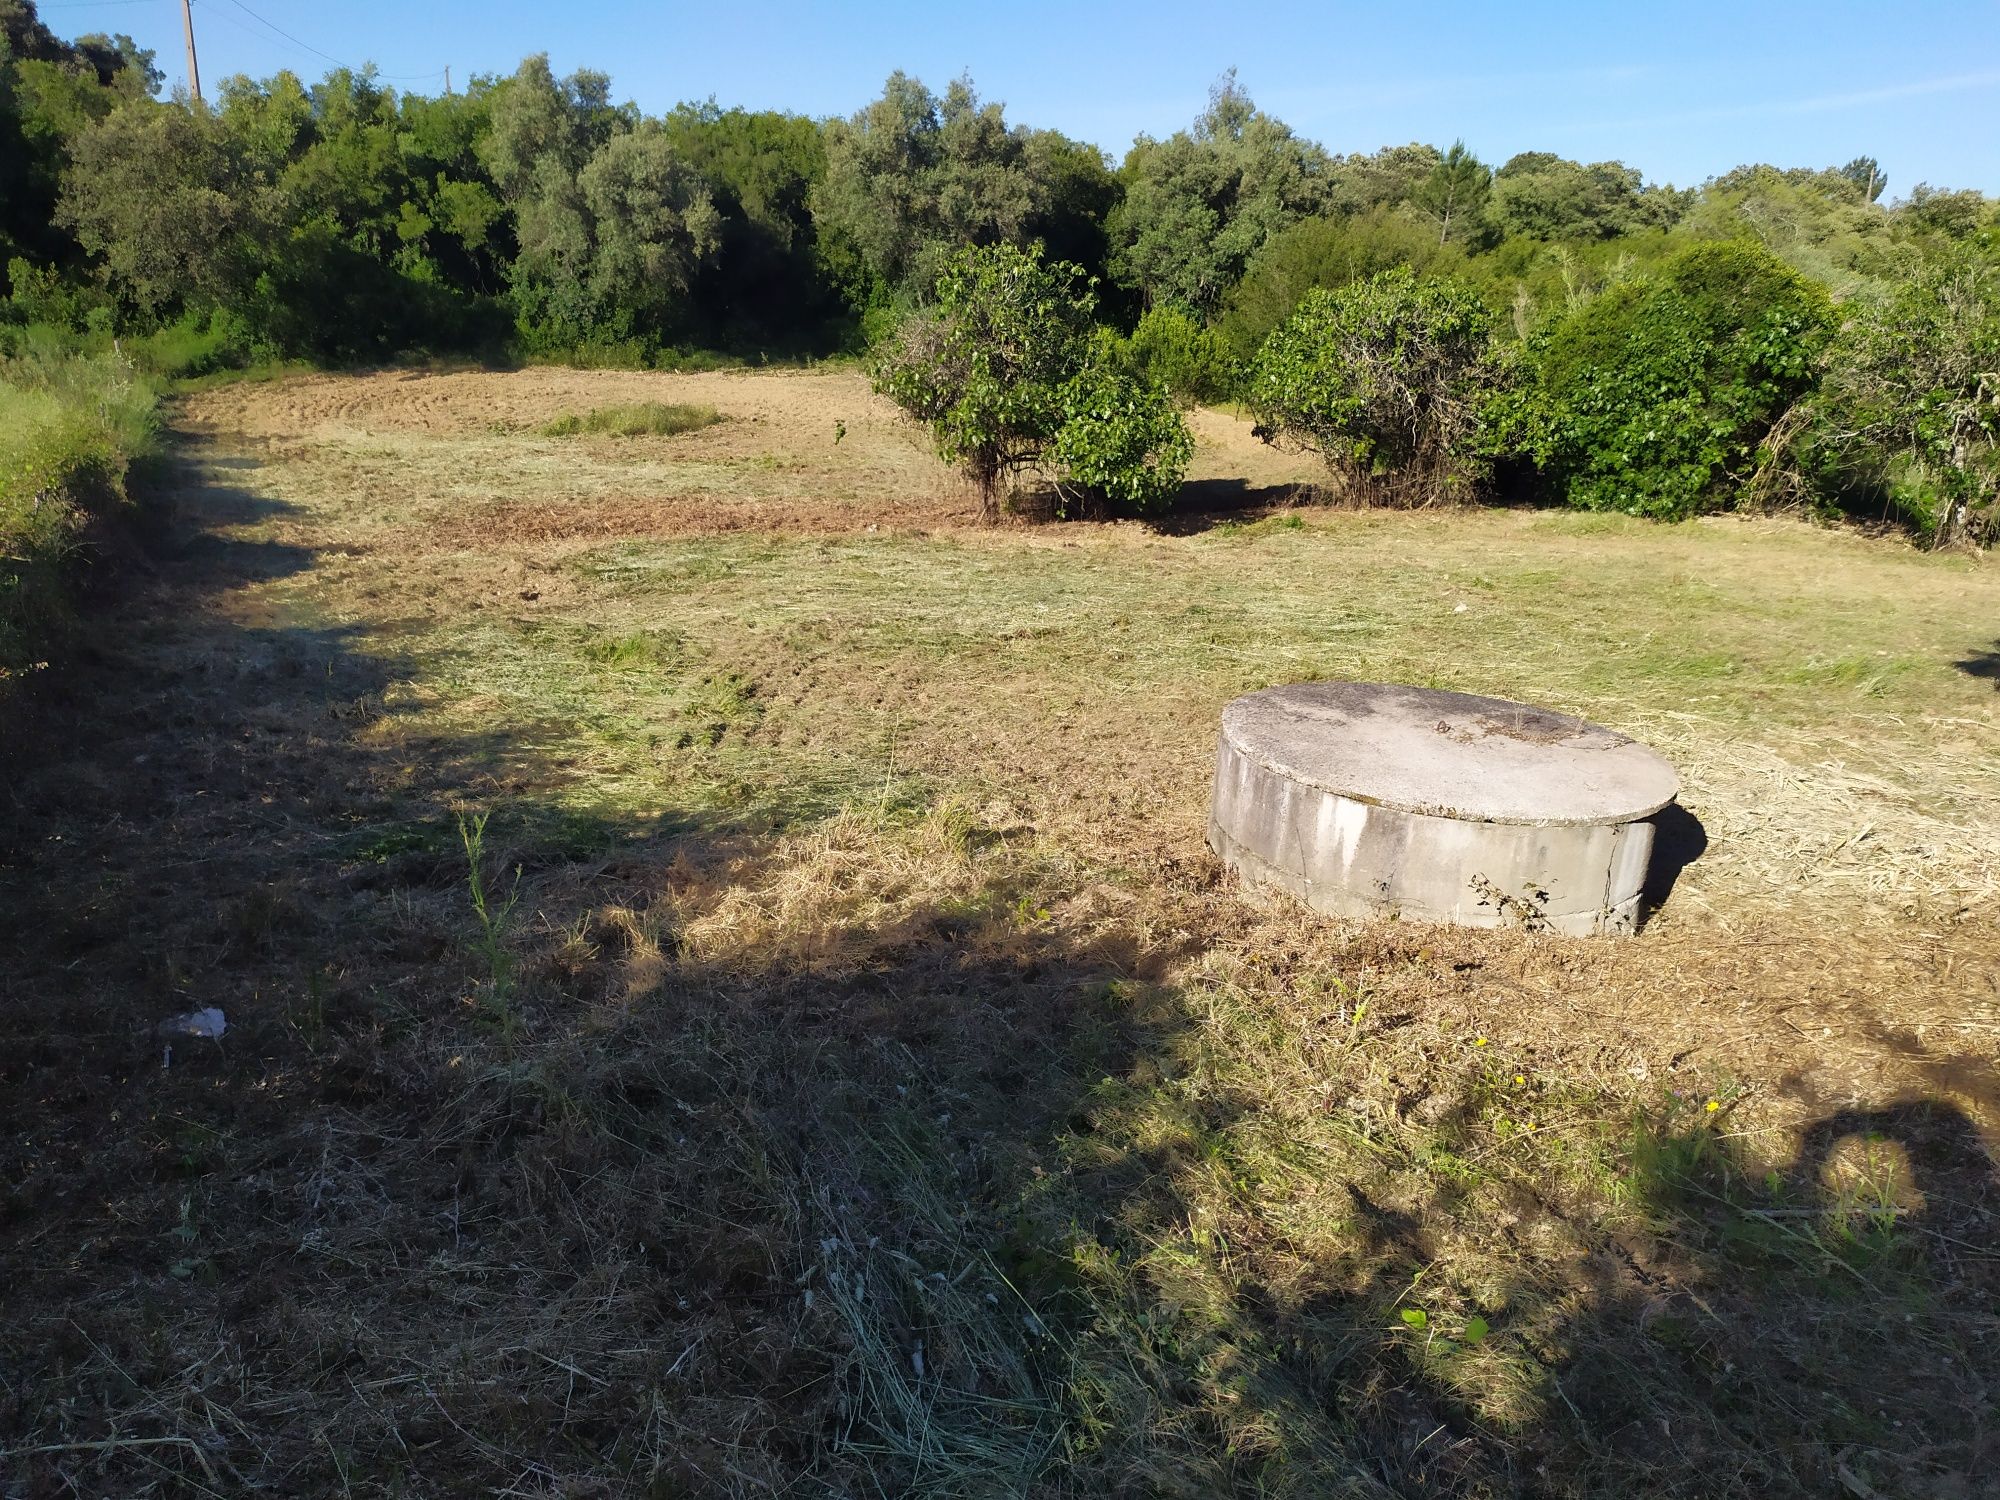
1451 755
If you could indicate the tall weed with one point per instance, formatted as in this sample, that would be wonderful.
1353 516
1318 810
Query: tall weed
70 426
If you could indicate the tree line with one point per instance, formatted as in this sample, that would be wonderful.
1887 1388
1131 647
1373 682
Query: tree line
1554 314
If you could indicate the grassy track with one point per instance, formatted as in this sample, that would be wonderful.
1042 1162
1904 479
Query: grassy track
835 1066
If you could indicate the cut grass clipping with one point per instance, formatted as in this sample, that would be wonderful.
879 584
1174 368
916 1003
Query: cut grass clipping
640 419
875 1088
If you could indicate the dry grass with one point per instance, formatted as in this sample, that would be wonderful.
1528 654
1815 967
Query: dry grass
877 1088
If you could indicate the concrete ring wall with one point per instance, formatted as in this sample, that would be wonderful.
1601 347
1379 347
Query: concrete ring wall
1350 856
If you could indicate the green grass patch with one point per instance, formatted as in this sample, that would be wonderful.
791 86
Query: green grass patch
631 650
70 426
639 419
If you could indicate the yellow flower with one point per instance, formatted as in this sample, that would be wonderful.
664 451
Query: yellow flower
1519 1079
1479 1041
1713 1106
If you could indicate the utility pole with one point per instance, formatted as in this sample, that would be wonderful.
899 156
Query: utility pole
447 79
194 72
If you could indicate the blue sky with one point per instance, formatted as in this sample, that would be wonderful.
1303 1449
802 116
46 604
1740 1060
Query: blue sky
1681 91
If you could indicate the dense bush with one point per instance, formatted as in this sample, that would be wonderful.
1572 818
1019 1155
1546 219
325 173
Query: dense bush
1174 351
1001 369
320 298
1386 380
1656 397
985 364
1911 401
1121 440
197 344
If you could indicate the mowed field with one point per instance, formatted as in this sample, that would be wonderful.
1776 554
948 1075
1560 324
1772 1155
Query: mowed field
840 1068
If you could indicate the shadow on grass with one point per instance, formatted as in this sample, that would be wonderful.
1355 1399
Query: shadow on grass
1679 839
1205 504
715 1173
1983 664
1803 1329
1726 1327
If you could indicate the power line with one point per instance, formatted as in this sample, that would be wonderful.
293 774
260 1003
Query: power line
49 5
288 36
316 52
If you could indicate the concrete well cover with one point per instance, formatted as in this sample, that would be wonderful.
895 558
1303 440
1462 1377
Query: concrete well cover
1450 755
1365 799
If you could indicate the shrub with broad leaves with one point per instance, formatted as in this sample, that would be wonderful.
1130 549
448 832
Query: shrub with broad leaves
1121 440
1001 368
1386 380
1658 398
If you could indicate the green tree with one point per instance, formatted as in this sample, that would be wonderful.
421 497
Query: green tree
1954 215
385 233
544 132
345 170
1818 223
1000 368
1381 179
609 220
44 107
1866 174
650 219
51 91
158 196
765 162
1657 397
544 128
913 177
453 219
1324 254
271 122
1545 197
1077 192
1454 195
764 285
1199 204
